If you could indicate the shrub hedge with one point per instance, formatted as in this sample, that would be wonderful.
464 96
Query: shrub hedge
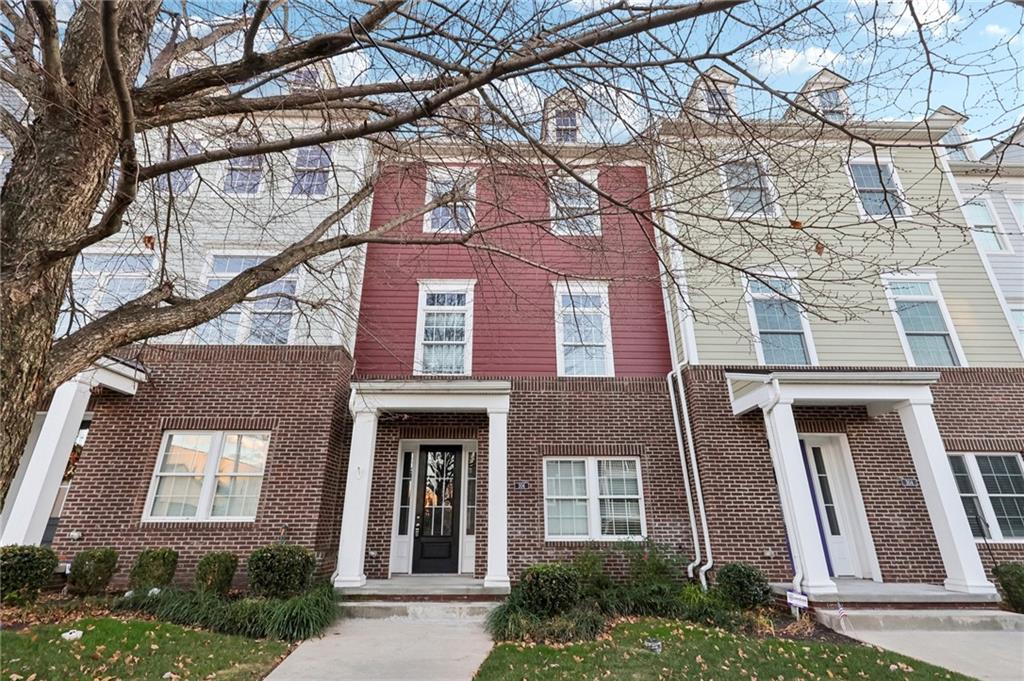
291 619
91 570
280 570
153 568
24 571
215 572
550 588
1010 578
744 585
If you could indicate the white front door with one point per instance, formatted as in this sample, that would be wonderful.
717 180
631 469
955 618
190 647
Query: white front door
835 512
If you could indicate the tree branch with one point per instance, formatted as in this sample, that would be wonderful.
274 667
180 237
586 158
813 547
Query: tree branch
254 27
46 18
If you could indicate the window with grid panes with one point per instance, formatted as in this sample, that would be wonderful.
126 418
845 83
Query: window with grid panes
265 320
455 215
991 487
244 175
567 125
593 498
312 167
877 189
101 283
574 206
583 330
983 225
748 188
445 330
780 323
179 181
924 325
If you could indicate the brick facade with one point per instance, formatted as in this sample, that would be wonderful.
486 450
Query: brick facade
298 393
977 410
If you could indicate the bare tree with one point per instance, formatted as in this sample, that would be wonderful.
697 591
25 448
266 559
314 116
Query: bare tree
112 96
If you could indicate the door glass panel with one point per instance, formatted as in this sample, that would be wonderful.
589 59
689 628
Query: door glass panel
471 494
405 494
827 501
438 494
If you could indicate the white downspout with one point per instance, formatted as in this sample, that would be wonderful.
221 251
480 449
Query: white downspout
709 557
682 464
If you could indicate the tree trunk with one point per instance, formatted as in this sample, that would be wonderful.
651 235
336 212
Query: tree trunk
57 176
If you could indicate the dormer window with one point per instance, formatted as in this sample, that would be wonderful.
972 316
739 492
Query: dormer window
832 105
957 148
717 102
567 126
303 79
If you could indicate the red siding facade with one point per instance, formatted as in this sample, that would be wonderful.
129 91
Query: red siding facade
514 306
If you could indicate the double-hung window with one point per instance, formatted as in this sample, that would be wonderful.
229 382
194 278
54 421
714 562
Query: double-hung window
832 105
592 498
264 320
991 488
312 167
983 223
208 475
782 333
583 332
179 181
444 328
244 175
574 206
878 189
455 214
567 126
748 189
923 322
717 103
956 146
101 283
1017 315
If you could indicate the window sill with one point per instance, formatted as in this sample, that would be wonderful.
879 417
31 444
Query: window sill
1014 541
593 540
196 522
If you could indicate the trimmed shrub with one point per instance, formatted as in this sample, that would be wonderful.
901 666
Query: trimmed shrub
744 585
280 570
1010 578
91 571
154 568
25 571
215 571
550 588
706 607
291 619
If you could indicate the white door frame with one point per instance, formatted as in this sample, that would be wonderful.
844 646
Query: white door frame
466 542
849 501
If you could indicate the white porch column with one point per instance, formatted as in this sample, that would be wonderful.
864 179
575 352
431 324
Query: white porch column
964 571
355 516
28 507
497 499
797 500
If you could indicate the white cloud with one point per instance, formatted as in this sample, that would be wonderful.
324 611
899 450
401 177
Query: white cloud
786 60
893 18
996 30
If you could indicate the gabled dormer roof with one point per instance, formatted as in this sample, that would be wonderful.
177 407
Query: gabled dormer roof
824 92
715 82
556 123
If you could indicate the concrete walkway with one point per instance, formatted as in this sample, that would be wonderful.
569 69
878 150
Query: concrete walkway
987 655
389 649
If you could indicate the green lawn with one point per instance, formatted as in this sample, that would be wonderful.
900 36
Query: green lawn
693 652
133 649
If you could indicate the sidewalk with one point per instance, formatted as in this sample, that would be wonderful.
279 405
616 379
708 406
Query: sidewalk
390 649
986 655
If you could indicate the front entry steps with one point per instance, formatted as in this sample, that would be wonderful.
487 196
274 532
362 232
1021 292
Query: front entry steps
920 620
865 594
431 611
423 588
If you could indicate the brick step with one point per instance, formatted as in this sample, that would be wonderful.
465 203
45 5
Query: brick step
931 619
419 610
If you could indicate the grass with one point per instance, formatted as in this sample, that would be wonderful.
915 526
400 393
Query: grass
133 649
694 652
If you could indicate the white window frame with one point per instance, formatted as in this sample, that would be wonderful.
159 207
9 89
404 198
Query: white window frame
964 145
253 165
983 495
558 225
584 288
1005 247
1017 211
207 492
426 286
1018 326
437 174
245 323
932 280
594 500
773 193
838 113
89 309
558 130
711 95
326 169
750 297
908 213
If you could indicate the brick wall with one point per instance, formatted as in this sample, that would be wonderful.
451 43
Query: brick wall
976 410
298 393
